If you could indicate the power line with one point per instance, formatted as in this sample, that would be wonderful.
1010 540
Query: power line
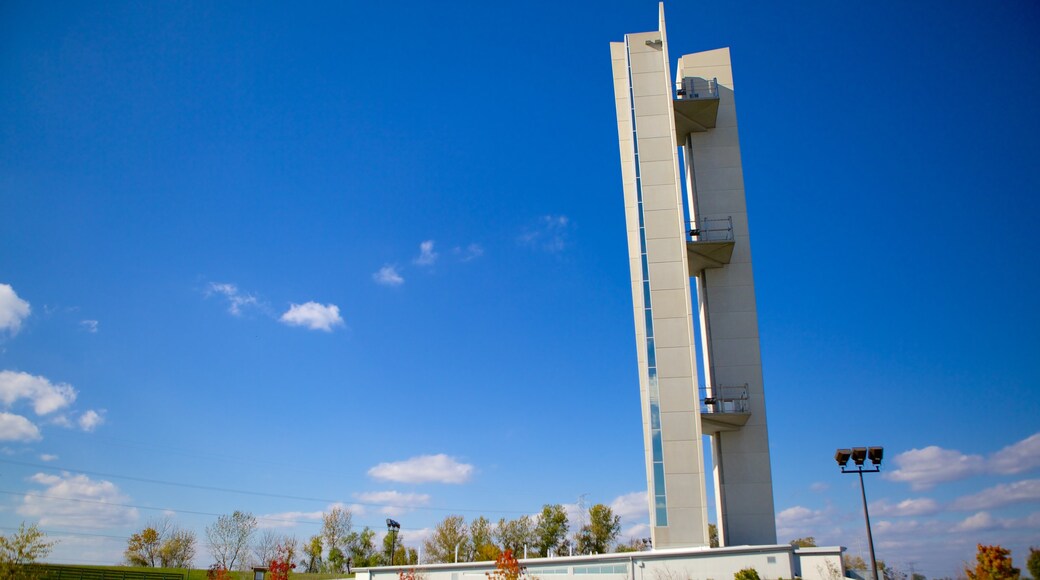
247 492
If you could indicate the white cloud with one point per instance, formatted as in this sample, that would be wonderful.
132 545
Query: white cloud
908 507
819 487
13 310
394 503
800 521
90 420
631 506
422 469
977 522
470 252
77 500
48 457
388 276
237 301
313 315
636 531
44 396
90 326
549 234
17 428
1017 458
427 256
923 468
286 519
1000 495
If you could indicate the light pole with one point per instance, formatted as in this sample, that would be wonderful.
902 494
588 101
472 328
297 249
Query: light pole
858 456
392 527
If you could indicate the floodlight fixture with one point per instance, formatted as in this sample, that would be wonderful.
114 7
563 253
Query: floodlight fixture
392 528
859 455
875 454
842 457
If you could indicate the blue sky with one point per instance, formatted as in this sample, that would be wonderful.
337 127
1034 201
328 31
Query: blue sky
281 250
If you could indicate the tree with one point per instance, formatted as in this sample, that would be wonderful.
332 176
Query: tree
178 549
142 549
449 535
20 551
480 538
507 568
229 538
854 562
1033 563
362 548
516 534
335 527
603 528
313 552
161 544
265 548
806 542
713 536
550 533
746 574
992 563
282 562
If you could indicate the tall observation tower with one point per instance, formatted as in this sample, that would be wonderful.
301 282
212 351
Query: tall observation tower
705 240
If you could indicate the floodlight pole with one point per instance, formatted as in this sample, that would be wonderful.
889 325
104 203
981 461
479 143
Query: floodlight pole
866 515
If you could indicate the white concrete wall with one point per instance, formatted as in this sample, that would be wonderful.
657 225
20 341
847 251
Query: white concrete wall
728 315
650 96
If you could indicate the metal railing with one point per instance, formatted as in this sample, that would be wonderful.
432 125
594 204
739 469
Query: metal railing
710 230
58 572
725 400
698 88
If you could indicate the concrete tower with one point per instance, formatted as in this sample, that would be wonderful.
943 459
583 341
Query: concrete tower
668 245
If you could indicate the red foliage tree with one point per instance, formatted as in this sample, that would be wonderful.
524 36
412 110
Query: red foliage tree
507 567
217 572
282 564
993 563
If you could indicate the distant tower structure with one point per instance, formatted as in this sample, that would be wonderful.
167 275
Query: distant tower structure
668 245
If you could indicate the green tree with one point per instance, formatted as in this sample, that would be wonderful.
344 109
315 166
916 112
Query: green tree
362 548
854 562
178 549
516 534
550 533
746 574
599 534
20 551
229 538
481 540
313 550
403 555
992 563
450 533
142 549
335 527
1033 563
713 536
806 542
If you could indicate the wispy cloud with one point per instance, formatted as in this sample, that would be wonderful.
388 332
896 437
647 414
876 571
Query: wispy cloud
1000 495
76 500
438 468
48 457
13 310
313 316
469 253
394 503
388 276
550 233
90 326
908 507
90 420
426 257
237 300
924 468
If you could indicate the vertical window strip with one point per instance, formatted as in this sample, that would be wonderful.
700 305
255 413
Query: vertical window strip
657 453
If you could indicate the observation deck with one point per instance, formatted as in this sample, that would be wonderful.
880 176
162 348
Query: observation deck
724 408
696 107
709 244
